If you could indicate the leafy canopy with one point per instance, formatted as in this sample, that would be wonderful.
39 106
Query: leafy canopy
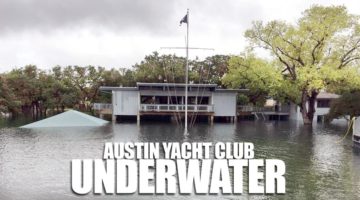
319 52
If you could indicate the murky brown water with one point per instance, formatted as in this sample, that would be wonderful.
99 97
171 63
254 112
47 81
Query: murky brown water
35 164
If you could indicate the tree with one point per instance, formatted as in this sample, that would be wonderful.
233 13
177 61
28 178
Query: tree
258 75
8 102
318 53
23 84
87 81
345 106
63 93
165 68
210 70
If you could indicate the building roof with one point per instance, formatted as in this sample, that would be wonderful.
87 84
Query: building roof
214 87
231 90
326 95
69 118
176 85
111 88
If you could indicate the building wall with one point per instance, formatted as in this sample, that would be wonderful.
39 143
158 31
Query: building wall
174 93
125 102
356 127
224 103
295 113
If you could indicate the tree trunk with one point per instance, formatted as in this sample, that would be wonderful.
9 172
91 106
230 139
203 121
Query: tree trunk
41 109
307 107
45 110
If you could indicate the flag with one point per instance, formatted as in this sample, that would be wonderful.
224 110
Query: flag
184 19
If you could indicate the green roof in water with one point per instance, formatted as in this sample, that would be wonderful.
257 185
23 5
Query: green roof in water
69 118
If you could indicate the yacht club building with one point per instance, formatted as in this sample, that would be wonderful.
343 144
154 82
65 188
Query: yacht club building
168 99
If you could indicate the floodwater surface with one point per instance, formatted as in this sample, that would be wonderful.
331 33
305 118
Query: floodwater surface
35 164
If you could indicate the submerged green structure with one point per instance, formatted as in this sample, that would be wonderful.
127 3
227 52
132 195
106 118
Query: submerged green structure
69 118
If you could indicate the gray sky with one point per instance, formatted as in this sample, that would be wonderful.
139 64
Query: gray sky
119 33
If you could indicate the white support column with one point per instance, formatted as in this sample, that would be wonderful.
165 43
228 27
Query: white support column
113 103
138 119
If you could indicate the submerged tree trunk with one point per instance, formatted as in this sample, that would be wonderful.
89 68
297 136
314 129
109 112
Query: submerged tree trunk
307 107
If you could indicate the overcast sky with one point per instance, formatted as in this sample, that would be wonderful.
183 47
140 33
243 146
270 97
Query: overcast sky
119 33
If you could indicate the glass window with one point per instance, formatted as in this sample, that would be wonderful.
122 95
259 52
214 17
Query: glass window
323 103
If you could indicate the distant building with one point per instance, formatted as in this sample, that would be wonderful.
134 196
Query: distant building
322 107
356 131
168 99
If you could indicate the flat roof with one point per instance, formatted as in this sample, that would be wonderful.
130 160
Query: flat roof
231 90
176 84
111 88
327 95
139 84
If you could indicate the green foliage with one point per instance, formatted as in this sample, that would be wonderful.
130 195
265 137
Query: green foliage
318 53
345 106
210 70
159 69
30 90
242 99
258 75
8 101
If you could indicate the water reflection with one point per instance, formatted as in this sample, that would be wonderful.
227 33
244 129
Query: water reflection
34 164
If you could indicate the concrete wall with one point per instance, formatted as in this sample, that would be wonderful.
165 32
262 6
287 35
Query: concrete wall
125 102
295 113
224 104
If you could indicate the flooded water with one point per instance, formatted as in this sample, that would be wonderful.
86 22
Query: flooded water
35 164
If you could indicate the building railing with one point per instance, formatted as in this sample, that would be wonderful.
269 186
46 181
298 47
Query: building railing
254 109
245 108
102 106
262 109
175 108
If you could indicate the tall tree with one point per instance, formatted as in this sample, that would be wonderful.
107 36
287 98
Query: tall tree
258 75
8 101
210 70
345 106
86 81
165 68
318 53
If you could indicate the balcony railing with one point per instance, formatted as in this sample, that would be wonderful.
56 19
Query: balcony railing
175 108
102 106
254 109
262 109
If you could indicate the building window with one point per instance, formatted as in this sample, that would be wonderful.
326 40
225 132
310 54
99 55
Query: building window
203 100
147 99
323 103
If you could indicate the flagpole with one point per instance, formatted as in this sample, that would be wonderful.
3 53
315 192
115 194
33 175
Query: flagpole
186 73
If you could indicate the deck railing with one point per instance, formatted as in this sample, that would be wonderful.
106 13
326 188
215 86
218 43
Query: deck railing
262 109
175 108
102 106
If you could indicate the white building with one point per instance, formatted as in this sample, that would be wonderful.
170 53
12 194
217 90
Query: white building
322 107
169 99
356 131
